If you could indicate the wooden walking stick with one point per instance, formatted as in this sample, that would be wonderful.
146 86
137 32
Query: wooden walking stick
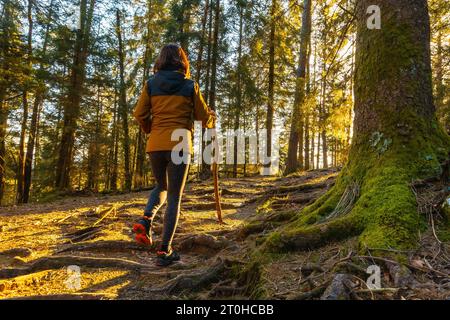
215 172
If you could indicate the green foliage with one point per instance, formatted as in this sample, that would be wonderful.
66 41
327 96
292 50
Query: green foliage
147 25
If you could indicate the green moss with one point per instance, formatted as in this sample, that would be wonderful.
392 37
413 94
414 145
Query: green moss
388 209
323 206
250 276
266 206
273 241
444 234
310 237
385 215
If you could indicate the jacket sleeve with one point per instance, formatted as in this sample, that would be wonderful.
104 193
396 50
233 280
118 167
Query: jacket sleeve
201 111
142 112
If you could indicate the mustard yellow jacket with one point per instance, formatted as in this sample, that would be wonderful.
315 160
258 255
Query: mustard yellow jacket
169 101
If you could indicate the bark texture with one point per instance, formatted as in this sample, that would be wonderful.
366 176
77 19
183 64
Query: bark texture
397 139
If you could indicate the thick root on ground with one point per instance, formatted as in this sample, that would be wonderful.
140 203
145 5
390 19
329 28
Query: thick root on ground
197 281
107 245
58 262
203 243
267 222
311 237
68 296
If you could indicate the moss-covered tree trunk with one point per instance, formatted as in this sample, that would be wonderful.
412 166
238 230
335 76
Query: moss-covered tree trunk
397 139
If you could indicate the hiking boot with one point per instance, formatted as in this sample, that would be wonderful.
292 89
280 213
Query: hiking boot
142 229
165 259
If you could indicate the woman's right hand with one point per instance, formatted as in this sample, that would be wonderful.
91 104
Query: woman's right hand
212 113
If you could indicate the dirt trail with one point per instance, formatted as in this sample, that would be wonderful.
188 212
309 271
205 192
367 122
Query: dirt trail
94 233
39 242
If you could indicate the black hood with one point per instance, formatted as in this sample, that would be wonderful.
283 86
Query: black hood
168 82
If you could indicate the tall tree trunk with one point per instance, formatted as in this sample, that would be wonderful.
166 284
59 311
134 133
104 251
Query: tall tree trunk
123 108
439 95
199 64
115 146
139 181
323 97
3 125
312 149
21 164
238 107
184 24
94 148
206 172
74 96
209 52
318 151
21 161
396 139
37 103
324 148
271 84
307 112
296 133
199 67
7 33
214 59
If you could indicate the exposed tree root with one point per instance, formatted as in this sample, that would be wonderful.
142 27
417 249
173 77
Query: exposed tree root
346 202
84 234
294 200
67 296
57 262
256 227
223 192
249 279
17 252
197 281
105 214
108 246
314 236
298 188
209 206
309 268
421 269
351 268
226 291
314 293
267 222
203 241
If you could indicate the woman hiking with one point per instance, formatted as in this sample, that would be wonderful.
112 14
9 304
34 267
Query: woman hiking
169 101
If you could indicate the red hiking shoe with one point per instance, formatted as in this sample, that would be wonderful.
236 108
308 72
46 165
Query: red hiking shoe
164 258
142 231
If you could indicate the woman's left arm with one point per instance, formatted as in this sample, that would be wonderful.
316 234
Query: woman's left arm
142 112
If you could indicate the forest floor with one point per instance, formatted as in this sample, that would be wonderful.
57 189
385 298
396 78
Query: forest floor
40 241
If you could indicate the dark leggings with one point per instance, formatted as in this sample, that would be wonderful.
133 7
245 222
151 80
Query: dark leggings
170 181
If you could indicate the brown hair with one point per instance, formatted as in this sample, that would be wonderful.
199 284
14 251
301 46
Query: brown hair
173 57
